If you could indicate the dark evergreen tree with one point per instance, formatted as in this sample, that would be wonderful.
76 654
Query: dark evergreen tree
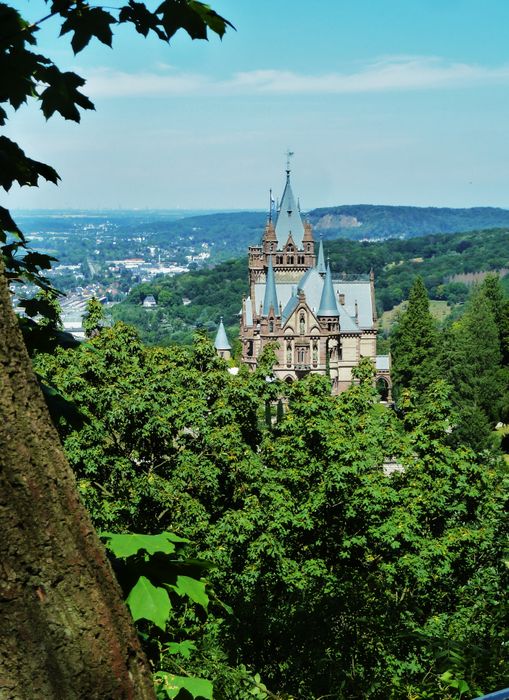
499 305
471 363
414 344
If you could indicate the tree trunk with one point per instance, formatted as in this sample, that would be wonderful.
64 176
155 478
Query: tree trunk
64 631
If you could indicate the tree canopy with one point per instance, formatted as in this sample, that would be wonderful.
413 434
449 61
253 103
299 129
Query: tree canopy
388 582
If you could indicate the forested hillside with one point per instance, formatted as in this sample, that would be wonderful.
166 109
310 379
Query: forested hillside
231 233
198 299
378 221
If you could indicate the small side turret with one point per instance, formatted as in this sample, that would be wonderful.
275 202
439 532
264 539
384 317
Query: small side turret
270 301
221 343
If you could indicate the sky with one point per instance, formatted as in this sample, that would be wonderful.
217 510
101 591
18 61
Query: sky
381 102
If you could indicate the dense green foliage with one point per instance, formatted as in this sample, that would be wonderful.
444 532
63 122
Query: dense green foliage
344 580
155 576
468 352
218 291
187 302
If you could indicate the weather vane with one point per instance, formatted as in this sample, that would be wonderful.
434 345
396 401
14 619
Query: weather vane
289 154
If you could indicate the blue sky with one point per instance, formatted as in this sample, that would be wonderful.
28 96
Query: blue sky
382 101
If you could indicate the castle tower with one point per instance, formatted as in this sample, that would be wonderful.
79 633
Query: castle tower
318 324
289 242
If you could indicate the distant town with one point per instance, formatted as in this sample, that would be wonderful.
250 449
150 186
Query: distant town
104 256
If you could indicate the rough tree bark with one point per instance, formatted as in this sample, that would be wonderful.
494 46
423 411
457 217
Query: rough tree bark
64 630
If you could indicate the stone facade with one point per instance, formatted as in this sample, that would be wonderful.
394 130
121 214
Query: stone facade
322 324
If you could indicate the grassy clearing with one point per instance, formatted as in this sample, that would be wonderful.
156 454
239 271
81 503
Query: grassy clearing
500 432
439 309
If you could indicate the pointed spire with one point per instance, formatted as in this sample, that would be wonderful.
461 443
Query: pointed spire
289 219
221 341
270 297
328 306
320 265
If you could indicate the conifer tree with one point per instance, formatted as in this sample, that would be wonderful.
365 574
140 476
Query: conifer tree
414 343
499 304
471 363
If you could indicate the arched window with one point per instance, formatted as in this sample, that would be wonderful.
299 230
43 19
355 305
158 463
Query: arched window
250 348
271 326
302 324
382 386
315 352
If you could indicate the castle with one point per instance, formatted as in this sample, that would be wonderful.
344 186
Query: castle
322 324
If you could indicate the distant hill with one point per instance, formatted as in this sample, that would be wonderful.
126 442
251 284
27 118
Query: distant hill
230 233
378 221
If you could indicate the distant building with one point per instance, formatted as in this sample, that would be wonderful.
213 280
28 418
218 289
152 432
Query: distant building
323 324
149 302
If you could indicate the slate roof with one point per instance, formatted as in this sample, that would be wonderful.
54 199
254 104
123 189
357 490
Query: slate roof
320 265
383 363
270 295
289 219
221 341
312 283
328 303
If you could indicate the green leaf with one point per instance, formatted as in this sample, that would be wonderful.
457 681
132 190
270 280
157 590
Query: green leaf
195 17
15 166
149 602
199 688
7 223
62 94
214 21
86 22
144 20
183 648
193 589
463 686
127 545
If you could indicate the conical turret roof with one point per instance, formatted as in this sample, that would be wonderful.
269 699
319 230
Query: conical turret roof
328 305
221 341
320 265
289 219
270 296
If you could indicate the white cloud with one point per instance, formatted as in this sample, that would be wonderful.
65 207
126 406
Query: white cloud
387 74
